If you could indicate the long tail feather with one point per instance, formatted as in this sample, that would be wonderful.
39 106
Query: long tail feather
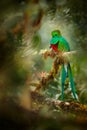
72 81
63 78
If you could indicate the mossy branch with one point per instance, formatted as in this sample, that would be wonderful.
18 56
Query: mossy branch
59 59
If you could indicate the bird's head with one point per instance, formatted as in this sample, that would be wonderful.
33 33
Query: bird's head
55 36
56 33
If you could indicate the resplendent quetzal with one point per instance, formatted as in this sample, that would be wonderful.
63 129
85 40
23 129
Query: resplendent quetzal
59 44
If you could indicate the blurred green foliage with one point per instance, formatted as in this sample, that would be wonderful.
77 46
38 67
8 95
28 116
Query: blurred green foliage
36 41
15 70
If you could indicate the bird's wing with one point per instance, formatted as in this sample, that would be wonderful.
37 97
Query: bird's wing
63 45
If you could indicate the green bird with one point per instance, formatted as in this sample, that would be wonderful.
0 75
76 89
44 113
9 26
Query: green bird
59 44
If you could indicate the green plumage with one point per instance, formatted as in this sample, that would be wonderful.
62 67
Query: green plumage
63 46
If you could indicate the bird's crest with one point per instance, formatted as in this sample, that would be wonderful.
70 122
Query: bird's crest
56 33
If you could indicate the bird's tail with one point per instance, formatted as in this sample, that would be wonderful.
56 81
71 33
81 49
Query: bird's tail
71 81
63 78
